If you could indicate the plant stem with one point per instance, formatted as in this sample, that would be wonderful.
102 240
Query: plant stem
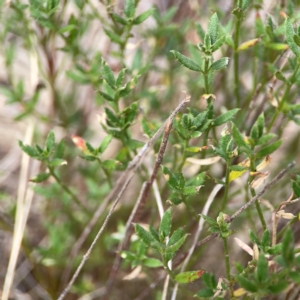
190 208
224 202
108 177
185 145
206 68
253 194
236 61
227 265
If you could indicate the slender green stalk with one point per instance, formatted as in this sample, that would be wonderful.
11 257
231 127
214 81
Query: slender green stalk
284 97
108 177
190 208
185 145
206 68
225 197
67 190
227 265
236 62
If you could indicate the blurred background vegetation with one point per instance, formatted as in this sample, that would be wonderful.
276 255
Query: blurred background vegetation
101 77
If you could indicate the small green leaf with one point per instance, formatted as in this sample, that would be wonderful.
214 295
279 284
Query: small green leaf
120 78
171 178
277 46
219 64
165 225
50 141
258 127
60 149
209 280
262 269
106 96
144 235
199 119
152 262
88 157
239 139
108 75
295 276
213 28
187 277
195 149
245 4
171 250
90 148
254 239
219 42
78 76
265 139
200 32
176 236
278 287
113 37
105 143
110 164
280 76
209 220
56 162
29 150
111 119
196 134
205 293
117 18
266 238
40 177
289 32
207 42
67 28
268 149
247 284
187 62
296 188
142 17
129 8
297 40
153 233
191 190
228 116
288 248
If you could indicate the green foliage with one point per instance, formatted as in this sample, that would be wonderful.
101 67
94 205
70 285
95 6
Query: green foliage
128 65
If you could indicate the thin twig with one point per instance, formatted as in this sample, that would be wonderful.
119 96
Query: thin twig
126 177
86 256
266 188
244 207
